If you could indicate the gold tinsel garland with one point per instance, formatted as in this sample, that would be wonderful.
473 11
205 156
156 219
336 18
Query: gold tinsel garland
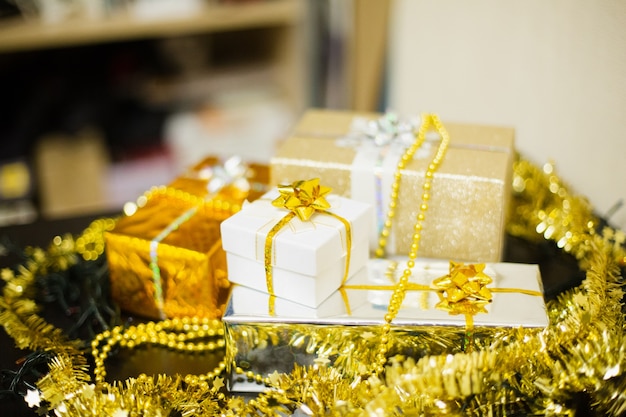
582 352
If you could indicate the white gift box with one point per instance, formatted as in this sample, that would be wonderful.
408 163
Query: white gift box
308 257
249 305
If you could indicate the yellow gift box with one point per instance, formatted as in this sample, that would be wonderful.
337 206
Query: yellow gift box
166 259
469 194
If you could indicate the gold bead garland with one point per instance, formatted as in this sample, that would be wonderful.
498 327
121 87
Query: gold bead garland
251 376
179 334
176 334
90 244
399 292
395 187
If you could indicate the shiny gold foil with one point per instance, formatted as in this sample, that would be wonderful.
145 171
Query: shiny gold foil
191 261
470 191
189 278
267 348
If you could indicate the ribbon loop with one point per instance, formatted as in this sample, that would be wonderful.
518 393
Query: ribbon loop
464 291
464 283
303 198
231 172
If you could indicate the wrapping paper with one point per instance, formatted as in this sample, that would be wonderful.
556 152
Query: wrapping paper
166 259
470 191
191 278
351 319
308 257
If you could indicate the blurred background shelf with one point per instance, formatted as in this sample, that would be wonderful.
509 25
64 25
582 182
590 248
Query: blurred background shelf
97 109
26 34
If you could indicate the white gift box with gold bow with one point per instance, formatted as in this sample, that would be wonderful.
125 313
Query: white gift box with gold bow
308 258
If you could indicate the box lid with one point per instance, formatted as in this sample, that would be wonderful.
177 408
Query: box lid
337 123
197 227
303 247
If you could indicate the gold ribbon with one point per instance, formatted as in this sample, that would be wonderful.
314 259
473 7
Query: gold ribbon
462 291
303 199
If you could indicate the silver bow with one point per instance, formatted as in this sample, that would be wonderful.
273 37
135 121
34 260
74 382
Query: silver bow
389 129
233 171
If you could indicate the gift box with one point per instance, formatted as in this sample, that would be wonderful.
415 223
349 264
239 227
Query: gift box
357 154
346 329
308 258
229 179
166 259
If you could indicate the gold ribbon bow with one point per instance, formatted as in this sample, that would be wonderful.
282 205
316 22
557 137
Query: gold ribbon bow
464 291
303 199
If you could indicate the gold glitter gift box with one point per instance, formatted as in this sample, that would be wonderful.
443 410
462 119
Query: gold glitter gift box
345 331
356 154
166 259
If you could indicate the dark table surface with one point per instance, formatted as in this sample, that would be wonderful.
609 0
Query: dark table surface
559 272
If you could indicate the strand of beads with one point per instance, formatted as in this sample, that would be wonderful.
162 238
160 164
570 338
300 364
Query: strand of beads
399 292
395 187
186 334
251 376
90 244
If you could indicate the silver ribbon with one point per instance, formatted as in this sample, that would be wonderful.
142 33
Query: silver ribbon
389 129
233 171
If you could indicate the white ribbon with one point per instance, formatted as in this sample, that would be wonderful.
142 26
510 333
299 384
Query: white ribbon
379 145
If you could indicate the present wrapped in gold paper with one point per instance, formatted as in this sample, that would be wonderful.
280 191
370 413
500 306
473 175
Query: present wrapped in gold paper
446 310
357 155
231 179
166 259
